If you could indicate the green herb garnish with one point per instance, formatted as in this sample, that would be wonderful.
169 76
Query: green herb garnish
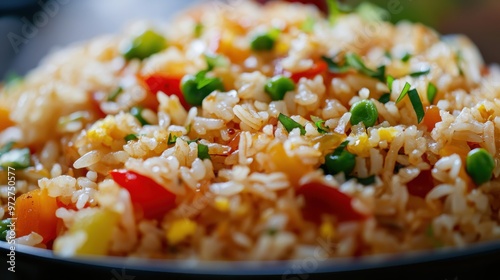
115 94
203 151
290 124
417 104
406 88
130 137
431 92
386 97
420 73
320 124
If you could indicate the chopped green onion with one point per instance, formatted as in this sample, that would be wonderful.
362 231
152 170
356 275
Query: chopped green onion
12 79
372 12
203 151
406 88
265 41
198 29
115 94
431 92
355 62
320 124
215 60
388 54
390 81
308 24
340 161
406 57
130 137
459 58
479 165
272 231
290 124
370 180
364 111
145 45
334 67
417 104
136 111
278 86
333 10
192 141
171 139
420 73
7 147
16 158
386 97
196 88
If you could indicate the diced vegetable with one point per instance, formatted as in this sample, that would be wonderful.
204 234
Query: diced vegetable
144 45
4 227
308 24
130 137
203 151
431 93
480 165
422 184
292 166
215 60
320 124
372 12
386 97
98 229
278 86
355 62
170 85
198 29
136 111
417 104
366 181
405 90
196 88
318 68
147 195
406 57
15 158
364 111
36 211
432 117
115 94
420 73
264 41
5 120
290 124
322 199
389 80
340 161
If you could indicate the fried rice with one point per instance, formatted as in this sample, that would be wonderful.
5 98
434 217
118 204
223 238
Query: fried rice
111 158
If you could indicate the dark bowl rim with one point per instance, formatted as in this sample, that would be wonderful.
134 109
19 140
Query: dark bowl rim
332 265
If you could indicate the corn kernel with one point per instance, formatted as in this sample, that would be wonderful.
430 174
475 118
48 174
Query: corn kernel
222 203
326 230
179 230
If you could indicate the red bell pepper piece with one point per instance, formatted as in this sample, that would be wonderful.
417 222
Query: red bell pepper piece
421 185
318 68
167 84
321 199
146 194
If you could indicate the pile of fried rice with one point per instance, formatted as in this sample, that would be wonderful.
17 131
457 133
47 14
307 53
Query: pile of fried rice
122 163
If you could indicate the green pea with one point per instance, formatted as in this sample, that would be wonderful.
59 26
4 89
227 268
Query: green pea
263 42
364 111
196 88
136 111
340 162
144 45
278 86
479 165
4 227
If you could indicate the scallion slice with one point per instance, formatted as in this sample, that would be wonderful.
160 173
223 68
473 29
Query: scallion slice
386 97
355 62
203 151
130 137
320 124
431 93
420 73
290 124
417 104
406 88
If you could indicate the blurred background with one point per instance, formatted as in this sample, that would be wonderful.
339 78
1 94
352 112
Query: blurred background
29 29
